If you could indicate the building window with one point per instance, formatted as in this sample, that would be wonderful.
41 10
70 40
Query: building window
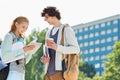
98 73
97 49
97 65
86 36
109 39
97 41
109 31
86 29
86 52
115 30
97 34
80 30
91 27
86 44
103 24
115 21
96 26
91 58
80 37
103 57
97 58
91 35
103 41
108 23
103 49
91 43
102 32
115 38
81 45
91 50
109 47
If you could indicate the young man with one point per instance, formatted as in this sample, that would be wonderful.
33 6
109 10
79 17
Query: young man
54 47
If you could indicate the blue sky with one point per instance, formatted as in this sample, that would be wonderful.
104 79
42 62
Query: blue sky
73 12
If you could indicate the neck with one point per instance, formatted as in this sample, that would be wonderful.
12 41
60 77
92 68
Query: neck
57 24
17 34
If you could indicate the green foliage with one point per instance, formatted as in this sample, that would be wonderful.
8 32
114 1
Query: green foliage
88 69
96 77
112 67
82 76
35 69
84 69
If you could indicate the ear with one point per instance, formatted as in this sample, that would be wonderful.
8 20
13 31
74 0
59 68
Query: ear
16 24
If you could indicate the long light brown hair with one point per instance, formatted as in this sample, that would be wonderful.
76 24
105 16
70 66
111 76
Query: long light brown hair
19 20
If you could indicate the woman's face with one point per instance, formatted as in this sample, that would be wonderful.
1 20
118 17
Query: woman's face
21 27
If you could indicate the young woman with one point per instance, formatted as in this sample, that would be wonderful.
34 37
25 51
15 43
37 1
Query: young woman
15 35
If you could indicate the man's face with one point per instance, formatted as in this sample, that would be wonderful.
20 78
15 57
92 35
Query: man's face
49 19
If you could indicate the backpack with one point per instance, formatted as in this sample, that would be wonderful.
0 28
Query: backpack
4 68
70 63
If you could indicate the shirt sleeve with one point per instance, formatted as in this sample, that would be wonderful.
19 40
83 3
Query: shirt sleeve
71 45
6 48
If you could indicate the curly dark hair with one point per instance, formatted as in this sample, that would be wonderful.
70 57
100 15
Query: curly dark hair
51 11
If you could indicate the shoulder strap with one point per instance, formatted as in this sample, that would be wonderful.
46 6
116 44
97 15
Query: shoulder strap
68 57
13 37
62 38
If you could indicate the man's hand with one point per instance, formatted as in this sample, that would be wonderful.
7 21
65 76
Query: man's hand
51 44
45 59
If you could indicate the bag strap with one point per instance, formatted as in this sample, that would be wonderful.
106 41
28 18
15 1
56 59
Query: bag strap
62 38
14 39
68 57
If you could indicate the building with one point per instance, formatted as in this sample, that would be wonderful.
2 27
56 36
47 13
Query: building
96 40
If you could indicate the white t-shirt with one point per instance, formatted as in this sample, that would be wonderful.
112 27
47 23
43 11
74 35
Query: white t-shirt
54 30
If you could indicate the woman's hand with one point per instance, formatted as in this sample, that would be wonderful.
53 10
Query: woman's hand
28 48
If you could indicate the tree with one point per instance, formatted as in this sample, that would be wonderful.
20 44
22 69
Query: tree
34 69
88 69
112 64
